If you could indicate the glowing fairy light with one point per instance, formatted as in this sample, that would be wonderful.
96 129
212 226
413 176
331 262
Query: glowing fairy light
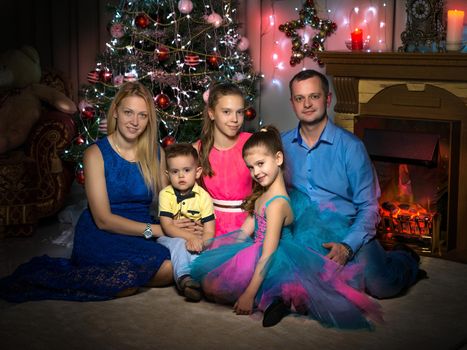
371 10
272 20
276 82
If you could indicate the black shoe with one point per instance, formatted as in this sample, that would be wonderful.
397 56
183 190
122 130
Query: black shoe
421 275
275 313
190 288
406 248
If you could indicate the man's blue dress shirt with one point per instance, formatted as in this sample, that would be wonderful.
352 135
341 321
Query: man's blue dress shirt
337 173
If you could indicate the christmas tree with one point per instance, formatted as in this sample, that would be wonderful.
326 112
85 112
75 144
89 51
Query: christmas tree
177 49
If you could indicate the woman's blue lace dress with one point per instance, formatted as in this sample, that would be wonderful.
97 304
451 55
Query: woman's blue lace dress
102 263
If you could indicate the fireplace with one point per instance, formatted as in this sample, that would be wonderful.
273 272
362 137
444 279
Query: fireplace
410 111
414 161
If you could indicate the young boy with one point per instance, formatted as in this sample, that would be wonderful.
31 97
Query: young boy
184 198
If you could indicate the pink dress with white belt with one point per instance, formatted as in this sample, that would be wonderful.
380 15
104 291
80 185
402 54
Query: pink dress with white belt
229 186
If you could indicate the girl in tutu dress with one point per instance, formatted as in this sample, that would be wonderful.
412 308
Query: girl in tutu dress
281 269
225 175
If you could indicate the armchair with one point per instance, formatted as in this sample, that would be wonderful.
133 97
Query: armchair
34 181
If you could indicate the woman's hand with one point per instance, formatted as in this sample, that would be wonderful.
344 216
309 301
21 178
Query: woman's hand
194 245
195 227
244 304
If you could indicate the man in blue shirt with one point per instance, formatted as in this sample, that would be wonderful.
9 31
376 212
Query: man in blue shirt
332 166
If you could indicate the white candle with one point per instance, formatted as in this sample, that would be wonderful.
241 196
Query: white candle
455 29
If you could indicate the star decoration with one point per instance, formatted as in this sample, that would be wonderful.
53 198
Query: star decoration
308 16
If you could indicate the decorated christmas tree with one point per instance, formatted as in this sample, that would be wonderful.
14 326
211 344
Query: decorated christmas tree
177 49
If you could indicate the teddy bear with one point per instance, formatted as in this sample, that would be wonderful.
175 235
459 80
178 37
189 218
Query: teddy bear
22 94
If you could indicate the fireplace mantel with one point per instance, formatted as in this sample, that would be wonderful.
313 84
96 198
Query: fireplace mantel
424 86
349 68
396 65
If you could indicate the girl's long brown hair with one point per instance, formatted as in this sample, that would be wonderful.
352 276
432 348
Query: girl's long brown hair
148 145
207 134
269 138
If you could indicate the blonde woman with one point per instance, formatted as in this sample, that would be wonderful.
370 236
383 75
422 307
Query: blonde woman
115 250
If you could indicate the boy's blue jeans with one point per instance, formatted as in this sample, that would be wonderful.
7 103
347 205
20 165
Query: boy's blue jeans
181 258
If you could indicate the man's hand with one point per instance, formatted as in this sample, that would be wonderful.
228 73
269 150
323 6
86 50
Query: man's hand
338 253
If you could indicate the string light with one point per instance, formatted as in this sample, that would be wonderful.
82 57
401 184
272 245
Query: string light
150 42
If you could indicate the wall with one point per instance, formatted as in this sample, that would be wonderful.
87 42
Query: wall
68 34
267 40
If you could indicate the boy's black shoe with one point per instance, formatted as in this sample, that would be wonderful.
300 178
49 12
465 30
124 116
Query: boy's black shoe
190 288
406 248
275 313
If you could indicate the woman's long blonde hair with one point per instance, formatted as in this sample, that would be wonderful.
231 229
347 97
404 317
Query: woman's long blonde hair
269 138
207 135
147 151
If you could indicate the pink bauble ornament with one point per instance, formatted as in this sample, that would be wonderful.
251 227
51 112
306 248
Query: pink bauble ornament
130 76
215 19
238 77
243 44
83 104
206 96
185 6
117 30
118 80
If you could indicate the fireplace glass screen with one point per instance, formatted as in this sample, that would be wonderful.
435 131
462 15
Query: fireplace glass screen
412 162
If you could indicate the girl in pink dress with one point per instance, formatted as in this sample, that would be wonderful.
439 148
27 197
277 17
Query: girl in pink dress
225 175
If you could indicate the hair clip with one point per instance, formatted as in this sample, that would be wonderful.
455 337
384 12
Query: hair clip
263 130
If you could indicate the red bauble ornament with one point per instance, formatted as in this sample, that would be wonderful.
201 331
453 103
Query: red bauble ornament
142 21
105 76
162 101
93 76
162 53
88 112
250 113
191 60
79 140
168 140
214 60
79 176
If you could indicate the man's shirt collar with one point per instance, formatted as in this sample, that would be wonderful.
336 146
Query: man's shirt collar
327 135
